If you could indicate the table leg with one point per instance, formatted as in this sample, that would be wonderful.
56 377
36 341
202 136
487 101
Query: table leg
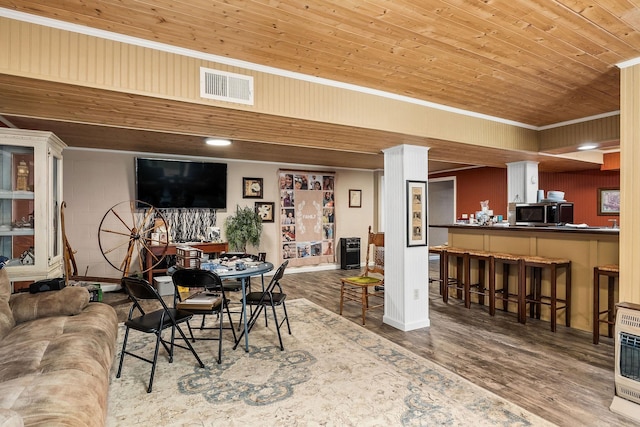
265 311
149 262
244 313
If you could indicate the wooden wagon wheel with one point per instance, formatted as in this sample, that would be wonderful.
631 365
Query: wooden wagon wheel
125 235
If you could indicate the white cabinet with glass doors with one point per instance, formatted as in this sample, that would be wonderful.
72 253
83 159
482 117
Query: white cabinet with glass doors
30 198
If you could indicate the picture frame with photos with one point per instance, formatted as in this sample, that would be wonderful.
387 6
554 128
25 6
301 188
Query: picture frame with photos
416 213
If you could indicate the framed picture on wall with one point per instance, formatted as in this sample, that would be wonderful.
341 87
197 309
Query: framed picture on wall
265 211
252 188
416 213
608 201
355 198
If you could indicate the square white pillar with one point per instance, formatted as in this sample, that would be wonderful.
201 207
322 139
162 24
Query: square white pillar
522 182
406 270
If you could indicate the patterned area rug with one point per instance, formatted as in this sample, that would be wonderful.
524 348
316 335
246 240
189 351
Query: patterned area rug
332 372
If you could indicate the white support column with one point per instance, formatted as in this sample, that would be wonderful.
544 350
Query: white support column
406 271
629 183
522 181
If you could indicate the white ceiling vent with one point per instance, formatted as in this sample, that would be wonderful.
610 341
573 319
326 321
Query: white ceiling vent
225 86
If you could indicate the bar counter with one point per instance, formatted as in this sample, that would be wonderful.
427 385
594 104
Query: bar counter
585 247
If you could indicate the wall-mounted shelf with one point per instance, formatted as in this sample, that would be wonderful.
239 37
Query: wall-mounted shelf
18 232
17 195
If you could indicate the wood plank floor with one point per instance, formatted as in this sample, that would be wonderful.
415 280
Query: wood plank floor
562 377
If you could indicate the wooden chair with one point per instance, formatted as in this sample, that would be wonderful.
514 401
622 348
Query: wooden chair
360 288
612 271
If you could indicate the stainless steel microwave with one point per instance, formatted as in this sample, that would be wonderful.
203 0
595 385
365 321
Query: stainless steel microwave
541 214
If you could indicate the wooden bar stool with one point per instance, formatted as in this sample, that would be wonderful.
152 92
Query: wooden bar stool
484 259
457 283
438 250
504 294
613 273
535 299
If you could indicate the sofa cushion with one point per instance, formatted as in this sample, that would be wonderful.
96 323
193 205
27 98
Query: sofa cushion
64 398
9 418
6 316
68 301
55 370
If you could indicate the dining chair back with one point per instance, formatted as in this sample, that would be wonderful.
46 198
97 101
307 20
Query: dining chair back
375 245
152 322
209 285
272 296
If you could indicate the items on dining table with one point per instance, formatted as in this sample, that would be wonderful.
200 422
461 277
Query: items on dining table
188 257
230 263
200 301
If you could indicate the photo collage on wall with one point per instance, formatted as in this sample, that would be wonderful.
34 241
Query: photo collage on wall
307 217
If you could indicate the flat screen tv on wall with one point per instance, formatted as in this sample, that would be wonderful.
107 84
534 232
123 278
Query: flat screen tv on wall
181 184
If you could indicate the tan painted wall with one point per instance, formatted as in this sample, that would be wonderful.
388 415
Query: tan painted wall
33 51
603 129
630 185
94 181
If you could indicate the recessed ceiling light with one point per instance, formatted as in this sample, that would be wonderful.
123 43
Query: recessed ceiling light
218 142
589 146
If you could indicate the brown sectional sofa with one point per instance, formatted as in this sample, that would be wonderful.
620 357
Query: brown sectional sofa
56 351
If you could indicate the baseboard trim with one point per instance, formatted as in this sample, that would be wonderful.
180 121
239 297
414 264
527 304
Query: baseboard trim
626 408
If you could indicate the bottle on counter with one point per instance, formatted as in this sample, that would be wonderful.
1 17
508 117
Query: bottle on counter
511 213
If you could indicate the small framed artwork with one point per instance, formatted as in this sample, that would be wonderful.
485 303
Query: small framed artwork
355 198
416 213
608 201
160 235
265 211
252 188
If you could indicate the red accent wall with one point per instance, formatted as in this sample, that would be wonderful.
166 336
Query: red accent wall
581 188
610 162
475 185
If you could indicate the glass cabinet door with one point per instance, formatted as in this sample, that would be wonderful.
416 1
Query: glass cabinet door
17 204
55 167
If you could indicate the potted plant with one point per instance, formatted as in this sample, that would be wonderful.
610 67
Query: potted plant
242 228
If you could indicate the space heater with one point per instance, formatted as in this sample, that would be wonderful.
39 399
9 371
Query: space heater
627 351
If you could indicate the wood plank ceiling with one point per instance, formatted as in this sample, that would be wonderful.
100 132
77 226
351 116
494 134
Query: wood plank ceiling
536 62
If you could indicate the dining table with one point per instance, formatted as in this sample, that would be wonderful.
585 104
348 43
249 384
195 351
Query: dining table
244 274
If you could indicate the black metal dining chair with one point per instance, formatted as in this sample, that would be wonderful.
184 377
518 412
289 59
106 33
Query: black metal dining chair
210 283
152 322
272 296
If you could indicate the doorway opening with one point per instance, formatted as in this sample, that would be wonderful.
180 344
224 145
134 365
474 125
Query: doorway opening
441 208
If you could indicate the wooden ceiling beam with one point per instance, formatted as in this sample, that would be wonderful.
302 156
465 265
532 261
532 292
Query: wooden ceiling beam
95 118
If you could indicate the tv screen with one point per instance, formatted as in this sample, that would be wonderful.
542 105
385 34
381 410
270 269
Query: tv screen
181 184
